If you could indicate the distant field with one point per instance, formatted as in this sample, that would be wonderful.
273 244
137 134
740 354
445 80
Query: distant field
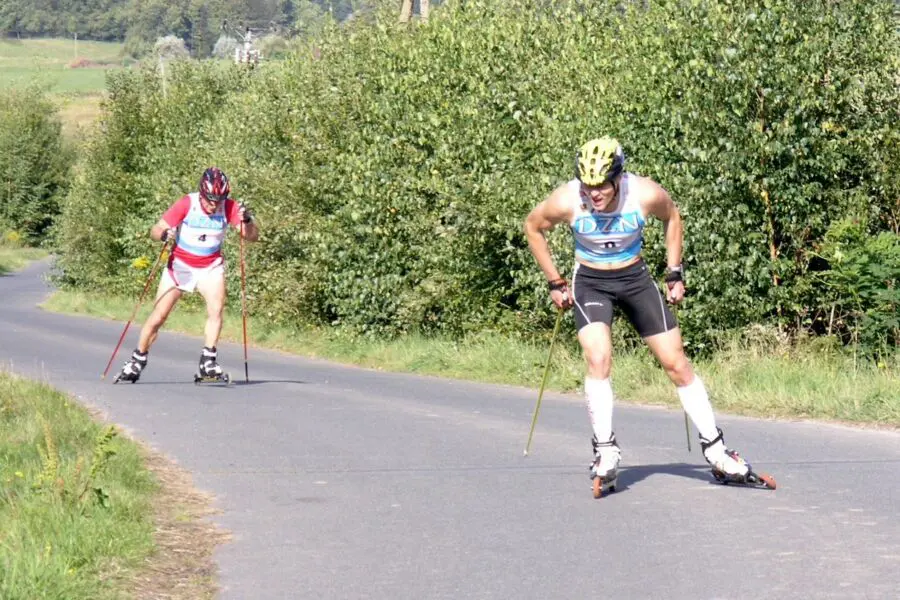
51 62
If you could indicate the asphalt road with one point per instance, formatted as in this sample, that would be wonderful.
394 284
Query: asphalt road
339 482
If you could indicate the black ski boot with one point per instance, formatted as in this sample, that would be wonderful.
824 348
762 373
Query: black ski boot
131 370
210 371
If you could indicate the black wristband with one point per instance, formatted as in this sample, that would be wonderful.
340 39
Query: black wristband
674 275
164 236
558 284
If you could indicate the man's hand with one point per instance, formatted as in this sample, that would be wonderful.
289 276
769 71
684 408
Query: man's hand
675 292
560 294
245 213
675 285
167 236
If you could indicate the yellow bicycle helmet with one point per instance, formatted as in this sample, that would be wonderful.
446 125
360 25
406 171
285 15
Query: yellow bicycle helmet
599 161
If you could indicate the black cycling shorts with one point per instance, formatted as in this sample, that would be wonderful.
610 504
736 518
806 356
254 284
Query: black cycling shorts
631 288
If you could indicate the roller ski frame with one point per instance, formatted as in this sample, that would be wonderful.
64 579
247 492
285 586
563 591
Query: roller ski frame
223 378
749 479
120 377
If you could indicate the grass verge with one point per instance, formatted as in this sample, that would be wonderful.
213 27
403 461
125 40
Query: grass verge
86 513
757 375
13 258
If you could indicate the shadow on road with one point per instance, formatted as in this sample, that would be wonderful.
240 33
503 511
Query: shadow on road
637 473
261 381
235 383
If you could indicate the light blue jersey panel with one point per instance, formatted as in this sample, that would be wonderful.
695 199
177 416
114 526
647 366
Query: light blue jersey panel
612 237
201 234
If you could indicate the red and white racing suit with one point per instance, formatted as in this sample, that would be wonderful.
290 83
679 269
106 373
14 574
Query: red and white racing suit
198 245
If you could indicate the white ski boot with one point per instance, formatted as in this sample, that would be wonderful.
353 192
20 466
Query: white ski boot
605 466
729 467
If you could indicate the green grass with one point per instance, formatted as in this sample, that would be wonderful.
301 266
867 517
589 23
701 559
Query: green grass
53 51
761 376
79 115
62 81
13 258
75 499
49 63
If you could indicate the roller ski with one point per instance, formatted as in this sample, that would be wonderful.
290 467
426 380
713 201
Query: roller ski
210 371
605 466
728 467
131 370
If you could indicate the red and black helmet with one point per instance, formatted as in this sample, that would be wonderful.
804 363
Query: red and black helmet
214 186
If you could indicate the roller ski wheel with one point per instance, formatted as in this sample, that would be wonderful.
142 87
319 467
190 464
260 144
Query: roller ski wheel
603 486
223 378
121 377
751 479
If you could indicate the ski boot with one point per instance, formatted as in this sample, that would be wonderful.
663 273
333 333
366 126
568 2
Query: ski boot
210 371
131 370
728 466
605 466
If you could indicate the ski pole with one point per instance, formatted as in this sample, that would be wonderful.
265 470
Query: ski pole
244 304
537 408
687 430
136 307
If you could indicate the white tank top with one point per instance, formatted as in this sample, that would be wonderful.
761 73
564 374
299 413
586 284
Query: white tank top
201 234
607 237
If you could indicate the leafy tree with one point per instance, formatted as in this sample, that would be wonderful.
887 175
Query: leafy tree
34 164
393 166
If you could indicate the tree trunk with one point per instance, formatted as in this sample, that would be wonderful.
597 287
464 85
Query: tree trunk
406 8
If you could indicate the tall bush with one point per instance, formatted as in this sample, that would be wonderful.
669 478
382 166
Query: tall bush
34 162
392 168
151 149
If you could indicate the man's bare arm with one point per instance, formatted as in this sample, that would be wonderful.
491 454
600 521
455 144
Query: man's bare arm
658 203
544 217
161 227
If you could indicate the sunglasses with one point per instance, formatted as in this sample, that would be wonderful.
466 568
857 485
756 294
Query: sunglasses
214 198
606 185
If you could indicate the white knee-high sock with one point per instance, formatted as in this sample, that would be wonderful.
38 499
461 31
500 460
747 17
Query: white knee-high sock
696 404
599 396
